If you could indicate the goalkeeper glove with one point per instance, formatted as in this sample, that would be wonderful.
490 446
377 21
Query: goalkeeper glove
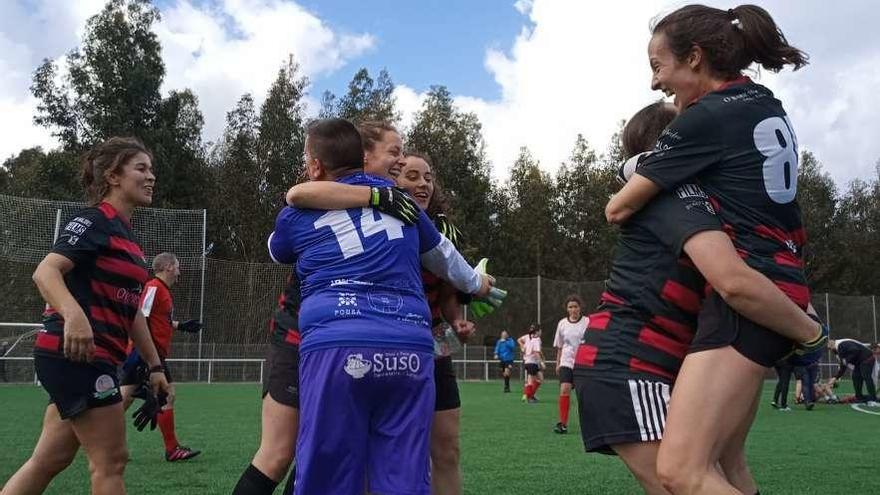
149 411
484 305
628 168
396 202
190 326
449 231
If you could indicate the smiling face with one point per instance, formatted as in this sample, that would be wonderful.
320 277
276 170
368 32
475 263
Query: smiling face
674 77
386 154
417 179
133 182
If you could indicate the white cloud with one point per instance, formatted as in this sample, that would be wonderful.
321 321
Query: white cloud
581 67
237 46
218 49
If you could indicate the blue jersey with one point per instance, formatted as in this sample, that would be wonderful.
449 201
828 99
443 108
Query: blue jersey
360 272
504 349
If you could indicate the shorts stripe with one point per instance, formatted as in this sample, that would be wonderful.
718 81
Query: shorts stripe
649 400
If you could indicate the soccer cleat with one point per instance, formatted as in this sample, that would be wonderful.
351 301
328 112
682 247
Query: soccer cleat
524 398
532 400
560 428
785 409
810 406
872 403
774 405
181 453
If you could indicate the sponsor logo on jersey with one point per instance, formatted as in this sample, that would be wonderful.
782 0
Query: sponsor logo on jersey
385 301
694 197
396 363
346 305
357 366
105 387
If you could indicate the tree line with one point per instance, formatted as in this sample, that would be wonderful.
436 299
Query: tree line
531 223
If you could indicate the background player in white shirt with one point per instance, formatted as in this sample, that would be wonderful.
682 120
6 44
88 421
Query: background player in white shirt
569 332
533 357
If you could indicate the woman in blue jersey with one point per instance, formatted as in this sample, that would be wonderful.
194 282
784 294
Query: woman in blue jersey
91 281
732 136
504 353
414 174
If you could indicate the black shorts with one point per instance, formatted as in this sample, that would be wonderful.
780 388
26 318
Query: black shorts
505 365
77 387
445 385
621 409
720 326
140 373
532 369
281 375
566 375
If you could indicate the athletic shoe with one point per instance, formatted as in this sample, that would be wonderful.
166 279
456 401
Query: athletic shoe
181 453
524 398
774 405
533 400
560 428
810 406
785 409
872 403
507 390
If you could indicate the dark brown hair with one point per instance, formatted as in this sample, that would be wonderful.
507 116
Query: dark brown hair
104 159
574 298
372 132
642 130
439 203
337 143
730 39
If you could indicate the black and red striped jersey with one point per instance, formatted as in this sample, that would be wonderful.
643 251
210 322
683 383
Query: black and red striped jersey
107 278
739 144
647 315
284 325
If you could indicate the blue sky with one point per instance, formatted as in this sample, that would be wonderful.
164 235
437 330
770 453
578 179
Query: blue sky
425 42
535 72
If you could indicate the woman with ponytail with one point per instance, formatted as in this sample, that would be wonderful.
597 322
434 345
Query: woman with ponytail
91 281
734 138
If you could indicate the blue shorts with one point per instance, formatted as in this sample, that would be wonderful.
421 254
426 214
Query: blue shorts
365 420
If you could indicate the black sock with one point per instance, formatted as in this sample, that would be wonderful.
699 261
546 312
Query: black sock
254 482
288 488
506 382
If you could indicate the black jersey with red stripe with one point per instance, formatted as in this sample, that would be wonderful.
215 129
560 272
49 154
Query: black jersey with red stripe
647 315
739 144
107 278
433 283
284 325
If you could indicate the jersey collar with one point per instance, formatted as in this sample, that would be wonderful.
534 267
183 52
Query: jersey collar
727 84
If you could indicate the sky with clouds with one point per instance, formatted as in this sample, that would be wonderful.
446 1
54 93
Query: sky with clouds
536 72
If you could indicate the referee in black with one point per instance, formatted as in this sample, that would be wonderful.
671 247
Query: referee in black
857 354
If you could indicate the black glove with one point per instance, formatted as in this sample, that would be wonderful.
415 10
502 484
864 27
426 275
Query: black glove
190 326
149 410
449 231
396 202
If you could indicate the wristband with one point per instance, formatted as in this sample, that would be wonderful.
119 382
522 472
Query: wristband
157 369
